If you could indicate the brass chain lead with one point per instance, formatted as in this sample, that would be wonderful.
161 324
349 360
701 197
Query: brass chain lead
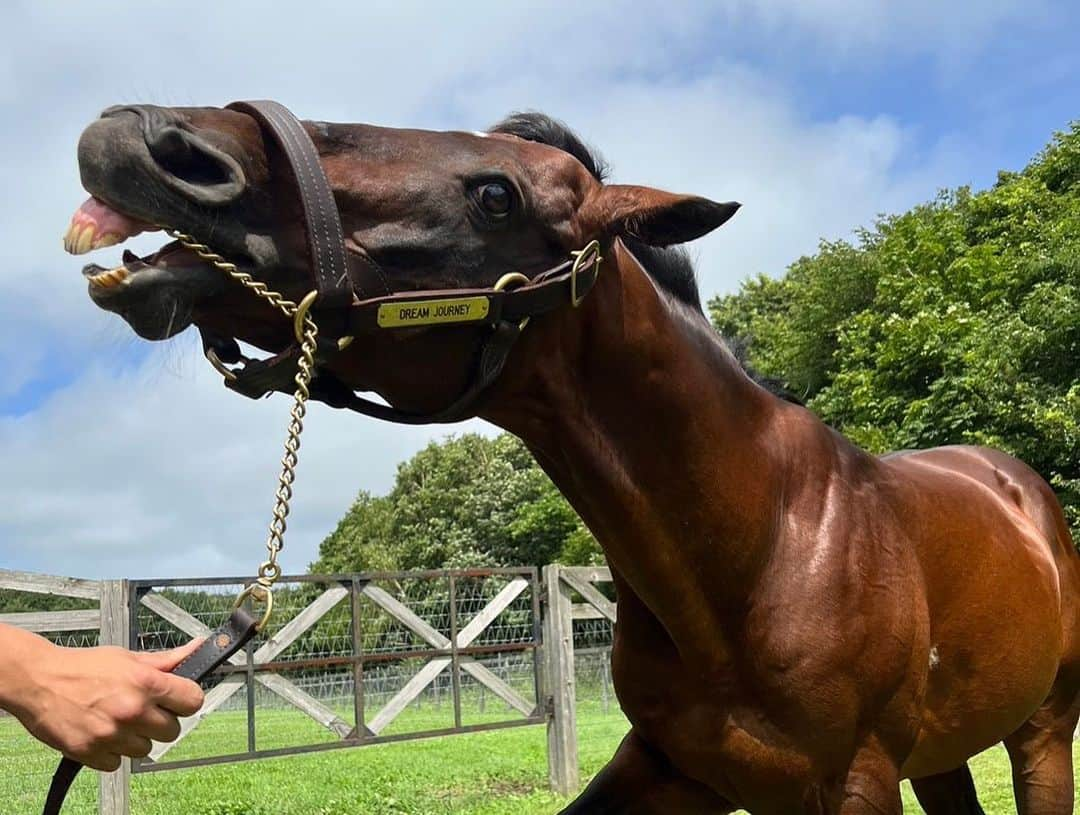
307 334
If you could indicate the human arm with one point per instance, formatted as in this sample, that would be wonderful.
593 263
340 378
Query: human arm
94 704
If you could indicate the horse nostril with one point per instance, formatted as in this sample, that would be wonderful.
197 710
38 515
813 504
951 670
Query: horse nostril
180 154
191 164
168 145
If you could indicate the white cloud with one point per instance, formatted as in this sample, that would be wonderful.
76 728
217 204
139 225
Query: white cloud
846 30
156 473
155 469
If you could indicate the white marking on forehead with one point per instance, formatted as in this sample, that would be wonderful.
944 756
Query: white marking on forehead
934 658
481 134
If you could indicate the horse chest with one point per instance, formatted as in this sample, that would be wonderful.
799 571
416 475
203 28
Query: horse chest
710 729
760 742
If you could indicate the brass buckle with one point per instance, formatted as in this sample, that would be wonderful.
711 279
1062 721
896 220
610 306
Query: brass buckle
580 255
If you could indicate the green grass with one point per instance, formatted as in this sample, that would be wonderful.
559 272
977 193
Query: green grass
494 773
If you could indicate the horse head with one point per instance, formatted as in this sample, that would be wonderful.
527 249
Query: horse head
427 210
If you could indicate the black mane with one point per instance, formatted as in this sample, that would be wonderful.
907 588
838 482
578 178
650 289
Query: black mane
669 266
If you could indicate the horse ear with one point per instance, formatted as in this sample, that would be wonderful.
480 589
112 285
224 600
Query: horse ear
652 216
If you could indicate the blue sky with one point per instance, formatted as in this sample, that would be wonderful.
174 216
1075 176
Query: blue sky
817 115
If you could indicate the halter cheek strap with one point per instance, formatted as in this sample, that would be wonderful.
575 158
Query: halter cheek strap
335 272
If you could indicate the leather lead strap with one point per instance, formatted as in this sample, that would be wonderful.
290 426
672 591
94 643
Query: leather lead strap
218 647
330 265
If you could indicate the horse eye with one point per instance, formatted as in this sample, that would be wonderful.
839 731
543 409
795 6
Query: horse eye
496 198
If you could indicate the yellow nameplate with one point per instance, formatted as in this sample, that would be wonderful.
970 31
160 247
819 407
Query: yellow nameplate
432 312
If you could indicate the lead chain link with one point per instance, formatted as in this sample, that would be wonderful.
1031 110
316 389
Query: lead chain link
269 570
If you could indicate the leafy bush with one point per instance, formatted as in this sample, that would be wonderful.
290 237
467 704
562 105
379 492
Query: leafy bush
467 502
955 322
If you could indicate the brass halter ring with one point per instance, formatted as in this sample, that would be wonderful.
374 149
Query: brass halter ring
513 279
219 366
580 255
302 309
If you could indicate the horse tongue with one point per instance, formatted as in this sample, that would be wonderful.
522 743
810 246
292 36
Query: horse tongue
95 224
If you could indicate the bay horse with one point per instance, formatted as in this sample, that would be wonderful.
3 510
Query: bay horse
801 624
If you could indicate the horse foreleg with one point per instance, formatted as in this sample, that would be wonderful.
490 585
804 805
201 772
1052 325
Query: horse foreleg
872 786
1041 754
951 793
640 781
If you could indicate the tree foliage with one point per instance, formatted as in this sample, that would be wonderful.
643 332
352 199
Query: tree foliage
955 322
467 502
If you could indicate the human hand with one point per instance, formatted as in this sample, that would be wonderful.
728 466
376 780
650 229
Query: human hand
98 704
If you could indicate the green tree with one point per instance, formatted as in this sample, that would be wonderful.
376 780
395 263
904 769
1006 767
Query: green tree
955 322
363 539
466 502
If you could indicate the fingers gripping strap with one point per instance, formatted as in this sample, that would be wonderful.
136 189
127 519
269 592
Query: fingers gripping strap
218 647
326 239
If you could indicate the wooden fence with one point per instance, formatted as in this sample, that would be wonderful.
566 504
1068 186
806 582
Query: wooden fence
454 644
561 585
457 652
552 603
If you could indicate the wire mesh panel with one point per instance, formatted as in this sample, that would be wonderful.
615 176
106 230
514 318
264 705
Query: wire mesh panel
405 655
593 636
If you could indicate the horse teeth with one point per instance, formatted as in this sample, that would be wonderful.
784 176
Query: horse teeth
82 238
84 241
110 278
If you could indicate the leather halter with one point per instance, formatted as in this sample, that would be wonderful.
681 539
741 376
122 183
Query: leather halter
339 279
342 278
504 310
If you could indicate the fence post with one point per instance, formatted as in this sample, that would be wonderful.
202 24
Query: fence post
563 773
114 789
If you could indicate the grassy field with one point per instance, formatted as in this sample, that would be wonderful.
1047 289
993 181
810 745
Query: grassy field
494 773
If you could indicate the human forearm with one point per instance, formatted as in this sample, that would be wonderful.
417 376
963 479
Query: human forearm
94 704
19 651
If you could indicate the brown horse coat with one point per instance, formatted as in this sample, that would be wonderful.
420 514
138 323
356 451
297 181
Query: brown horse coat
801 624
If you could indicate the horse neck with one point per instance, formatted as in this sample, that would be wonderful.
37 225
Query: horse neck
648 425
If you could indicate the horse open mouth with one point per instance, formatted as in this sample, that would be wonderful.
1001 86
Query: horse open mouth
155 294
